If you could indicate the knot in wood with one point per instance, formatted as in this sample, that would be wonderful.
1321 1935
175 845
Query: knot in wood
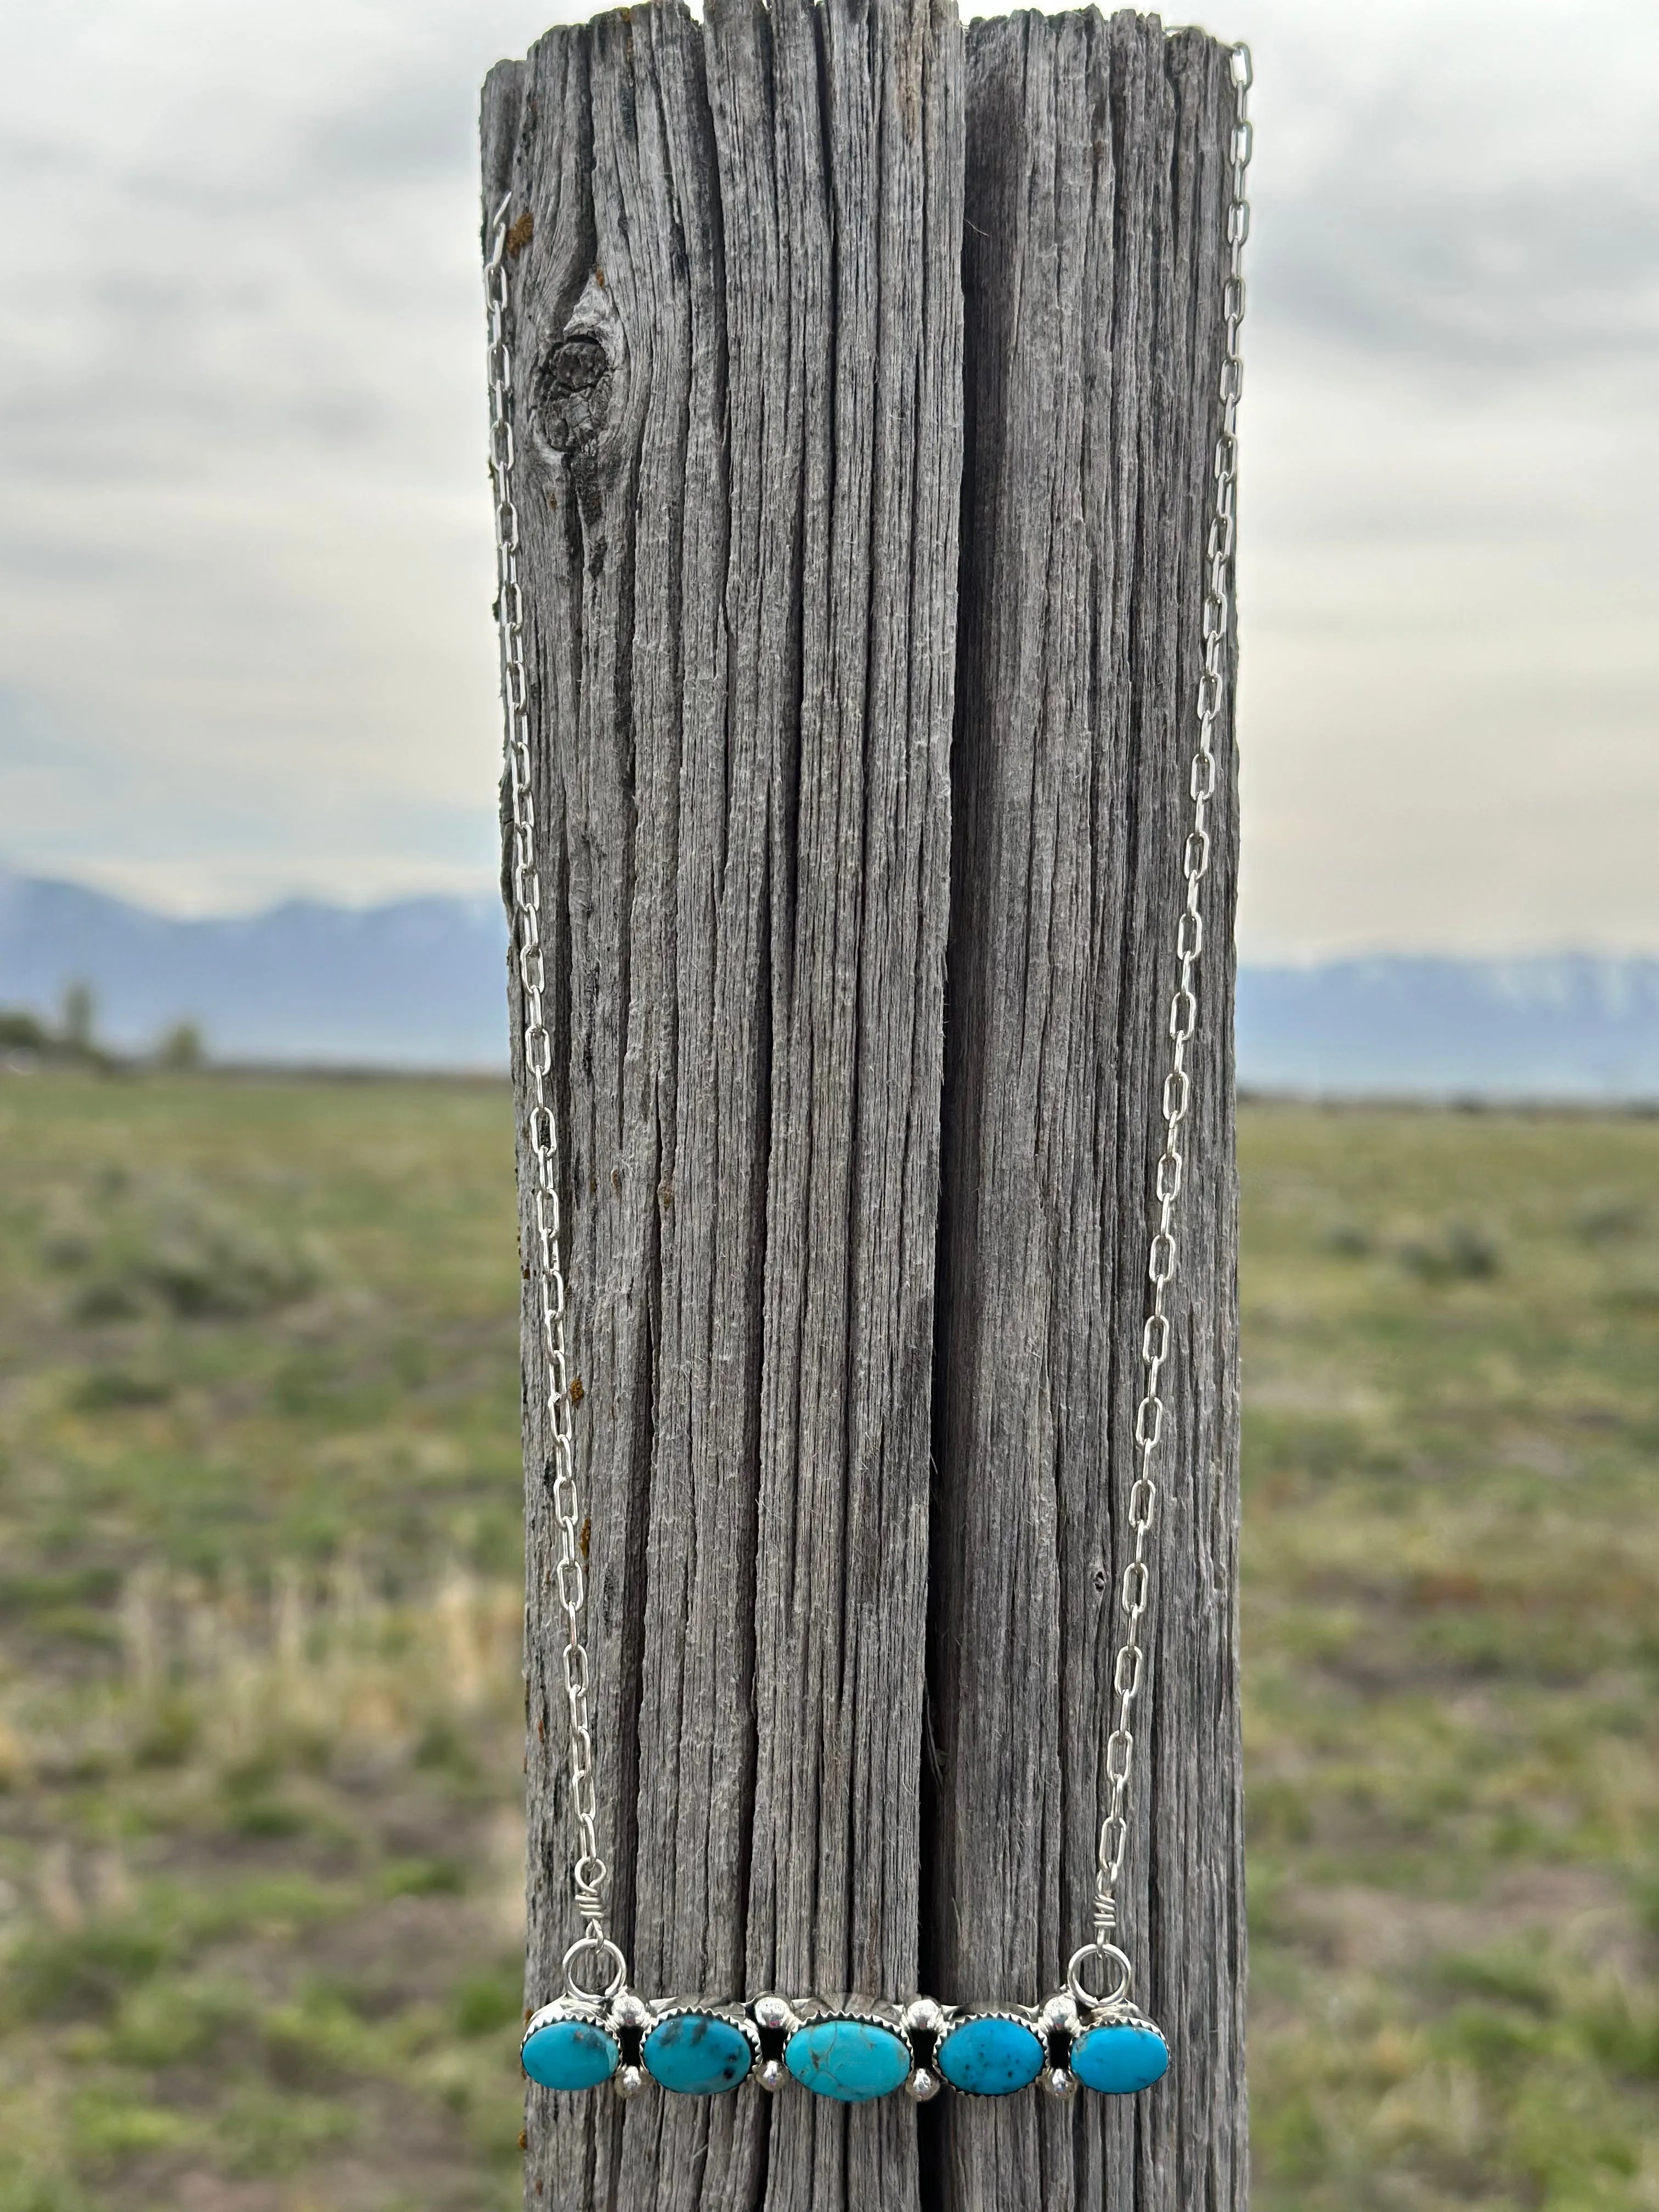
572 391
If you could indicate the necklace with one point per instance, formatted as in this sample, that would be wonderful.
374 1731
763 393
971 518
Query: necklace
855 2049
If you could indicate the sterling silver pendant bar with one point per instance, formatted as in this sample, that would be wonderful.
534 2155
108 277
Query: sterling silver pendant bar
850 2050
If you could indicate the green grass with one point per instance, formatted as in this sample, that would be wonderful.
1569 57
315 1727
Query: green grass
1451 1637
259 1735
260 1845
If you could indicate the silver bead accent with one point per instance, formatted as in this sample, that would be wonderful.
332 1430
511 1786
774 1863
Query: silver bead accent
1059 2015
922 2085
631 2010
628 2080
1059 2082
923 2016
775 2012
769 2074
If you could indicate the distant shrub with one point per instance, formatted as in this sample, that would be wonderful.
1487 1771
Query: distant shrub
20 1032
80 1017
48 1595
181 1050
265 1819
106 1299
205 1262
1604 1220
104 1390
425 1878
167 1736
68 1246
1349 1240
177 2018
442 1745
1461 1253
1519 1975
82 1973
30 1039
175 1248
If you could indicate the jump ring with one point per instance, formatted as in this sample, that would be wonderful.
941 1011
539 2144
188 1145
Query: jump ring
1084 1995
606 1949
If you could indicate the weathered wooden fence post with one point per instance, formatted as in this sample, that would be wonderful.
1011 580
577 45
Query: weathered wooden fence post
737 307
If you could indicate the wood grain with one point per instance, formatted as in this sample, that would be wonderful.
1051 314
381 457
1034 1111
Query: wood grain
739 322
738 309
1095 213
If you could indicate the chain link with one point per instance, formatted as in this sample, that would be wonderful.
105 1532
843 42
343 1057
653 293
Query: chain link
1135 1587
544 1268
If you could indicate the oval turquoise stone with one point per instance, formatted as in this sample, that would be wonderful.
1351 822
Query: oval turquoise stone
850 2060
1120 2057
984 2057
570 2054
697 2055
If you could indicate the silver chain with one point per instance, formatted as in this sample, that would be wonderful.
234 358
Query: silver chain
1128 1664
544 1268
542 1137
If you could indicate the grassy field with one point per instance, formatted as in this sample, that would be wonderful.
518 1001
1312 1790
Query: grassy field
1452 1656
260 1861
259 1855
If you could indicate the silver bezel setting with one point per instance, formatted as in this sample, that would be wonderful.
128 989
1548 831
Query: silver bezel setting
570 2008
1123 2013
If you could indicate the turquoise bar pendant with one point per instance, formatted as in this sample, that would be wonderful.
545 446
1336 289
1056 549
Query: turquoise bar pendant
849 2051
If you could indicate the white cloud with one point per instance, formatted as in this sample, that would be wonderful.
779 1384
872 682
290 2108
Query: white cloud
244 570
1449 568
246 563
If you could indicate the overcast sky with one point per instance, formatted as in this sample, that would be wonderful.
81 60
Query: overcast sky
244 572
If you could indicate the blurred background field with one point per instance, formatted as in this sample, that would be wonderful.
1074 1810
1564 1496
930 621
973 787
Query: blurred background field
260 1759
260 1855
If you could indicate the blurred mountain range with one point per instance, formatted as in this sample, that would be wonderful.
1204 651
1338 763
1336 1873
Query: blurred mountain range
1569 1026
419 984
